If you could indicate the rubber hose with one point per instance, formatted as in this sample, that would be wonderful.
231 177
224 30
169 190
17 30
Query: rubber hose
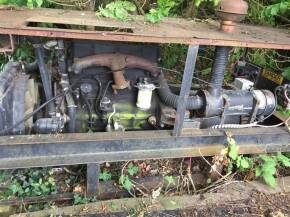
218 69
170 99
30 67
72 118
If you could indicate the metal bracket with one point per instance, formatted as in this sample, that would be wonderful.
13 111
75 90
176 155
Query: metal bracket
93 171
185 88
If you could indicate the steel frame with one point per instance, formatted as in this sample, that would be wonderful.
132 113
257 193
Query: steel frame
92 149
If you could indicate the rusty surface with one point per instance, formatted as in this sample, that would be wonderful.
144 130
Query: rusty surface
230 12
170 30
7 45
68 149
115 61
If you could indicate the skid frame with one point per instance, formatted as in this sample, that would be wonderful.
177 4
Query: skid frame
24 151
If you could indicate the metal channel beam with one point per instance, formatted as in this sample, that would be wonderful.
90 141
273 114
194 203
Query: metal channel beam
185 88
69 149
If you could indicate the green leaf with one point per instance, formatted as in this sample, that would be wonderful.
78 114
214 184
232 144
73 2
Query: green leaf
245 163
132 169
284 7
3 2
233 148
105 176
117 9
121 13
2 176
275 9
197 3
169 180
129 6
39 3
286 73
125 182
285 161
269 179
29 4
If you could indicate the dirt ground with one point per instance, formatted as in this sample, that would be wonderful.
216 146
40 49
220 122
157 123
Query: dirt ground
277 205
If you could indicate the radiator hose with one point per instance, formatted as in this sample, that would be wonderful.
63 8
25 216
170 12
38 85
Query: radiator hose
170 99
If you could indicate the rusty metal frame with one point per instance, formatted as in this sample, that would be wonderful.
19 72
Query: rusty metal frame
68 149
16 22
9 45
92 149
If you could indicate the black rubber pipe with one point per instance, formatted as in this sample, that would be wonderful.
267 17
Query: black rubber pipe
39 53
218 69
170 99
30 67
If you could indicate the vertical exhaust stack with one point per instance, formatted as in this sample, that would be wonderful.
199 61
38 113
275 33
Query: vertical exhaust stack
230 12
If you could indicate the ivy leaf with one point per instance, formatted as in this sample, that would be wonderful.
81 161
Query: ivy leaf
105 176
132 170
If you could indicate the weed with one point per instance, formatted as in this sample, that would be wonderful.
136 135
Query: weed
79 199
280 8
28 3
155 15
132 169
117 9
169 180
265 166
33 182
105 176
126 182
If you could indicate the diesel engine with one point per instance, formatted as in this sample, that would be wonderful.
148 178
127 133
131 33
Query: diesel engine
87 86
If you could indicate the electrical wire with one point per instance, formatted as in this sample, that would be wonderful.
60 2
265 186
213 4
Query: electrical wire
106 89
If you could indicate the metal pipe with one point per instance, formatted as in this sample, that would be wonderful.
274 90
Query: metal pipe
71 107
45 78
116 62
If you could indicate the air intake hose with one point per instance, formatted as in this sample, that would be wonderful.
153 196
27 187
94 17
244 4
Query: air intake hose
218 69
168 98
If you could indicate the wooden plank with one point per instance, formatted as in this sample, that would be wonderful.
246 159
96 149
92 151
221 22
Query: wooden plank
170 30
